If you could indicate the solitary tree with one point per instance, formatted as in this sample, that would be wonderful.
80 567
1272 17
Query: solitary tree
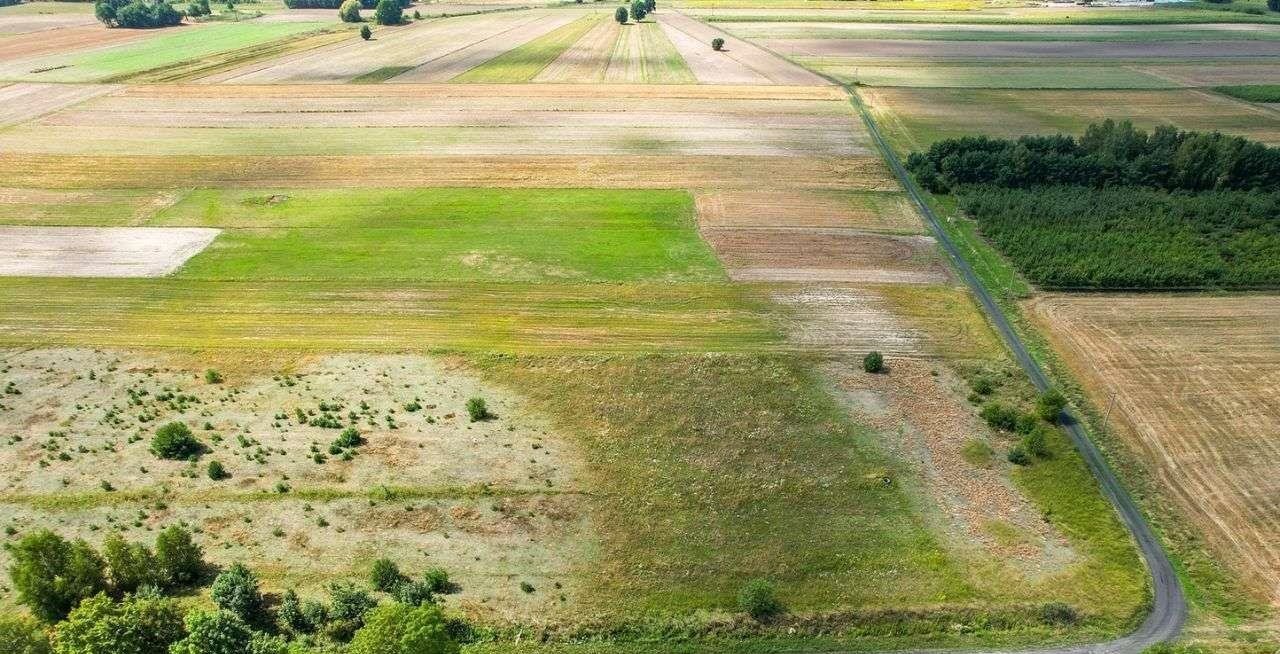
639 9
717 44
759 600
620 15
175 441
365 32
388 12
180 560
873 362
349 12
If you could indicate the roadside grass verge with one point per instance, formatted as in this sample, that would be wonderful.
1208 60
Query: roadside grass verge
523 63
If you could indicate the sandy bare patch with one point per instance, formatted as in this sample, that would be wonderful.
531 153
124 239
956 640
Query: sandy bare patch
1193 386
919 407
740 62
28 23
826 254
23 101
976 50
885 212
98 251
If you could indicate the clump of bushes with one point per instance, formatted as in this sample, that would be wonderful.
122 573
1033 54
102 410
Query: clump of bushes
176 442
717 44
759 600
1050 405
136 13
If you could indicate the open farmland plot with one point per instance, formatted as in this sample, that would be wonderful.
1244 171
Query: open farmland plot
24 101
914 118
63 40
1192 381
1023 50
98 251
636 52
740 63
163 49
525 62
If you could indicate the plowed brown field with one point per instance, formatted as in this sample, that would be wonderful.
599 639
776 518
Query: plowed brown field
1193 384
830 254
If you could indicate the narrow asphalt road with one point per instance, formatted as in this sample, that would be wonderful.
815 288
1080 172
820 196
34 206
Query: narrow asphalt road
1169 607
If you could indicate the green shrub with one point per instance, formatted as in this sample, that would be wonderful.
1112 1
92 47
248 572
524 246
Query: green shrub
388 12
214 632
639 9
175 441
1019 456
1050 405
400 629
717 44
212 376
130 566
365 32
620 15
180 559
289 616
350 437
438 580
1000 416
759 600
216 471
1036 443
52 575
349 602
1059 614
235 590
18 635
478 409
199 8
145 624
136 13
873 362
349 12
414 593
385 575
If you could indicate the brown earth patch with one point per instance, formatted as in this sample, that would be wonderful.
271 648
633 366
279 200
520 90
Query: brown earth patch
1192 384
67 39
815 254
880 212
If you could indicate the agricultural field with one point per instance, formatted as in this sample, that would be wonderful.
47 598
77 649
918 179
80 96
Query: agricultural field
578 312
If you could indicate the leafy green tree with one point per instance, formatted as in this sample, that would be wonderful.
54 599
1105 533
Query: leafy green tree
639 9
105 12
620 15
400 629
52 575
1036 443
130 566
365 32
214 632
217 471
717 44
388 12
19 635
759 600
180 559
175 441
347 608
235 590
873 362
144 624
349 12
289 616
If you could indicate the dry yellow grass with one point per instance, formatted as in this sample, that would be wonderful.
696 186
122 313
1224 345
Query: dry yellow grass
1193 385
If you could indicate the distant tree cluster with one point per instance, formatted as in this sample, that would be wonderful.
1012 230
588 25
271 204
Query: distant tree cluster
1109 154
1118 207
136 14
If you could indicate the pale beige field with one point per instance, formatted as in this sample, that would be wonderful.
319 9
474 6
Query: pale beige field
739 63
1191 383
23 101
43 251
62 39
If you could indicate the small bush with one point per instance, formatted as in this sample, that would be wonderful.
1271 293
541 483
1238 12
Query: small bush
414 593
22 636
365 32
1058 613
527 587
717 44
620 15
349 12
350 437
399 629
388 12
1050 405
175 441
759 600
983 386
199 8
130 566
1019 456
212 376
289 616
1000 416
873 362
217 472
141 624
1037 442
385 575
438 580
478 409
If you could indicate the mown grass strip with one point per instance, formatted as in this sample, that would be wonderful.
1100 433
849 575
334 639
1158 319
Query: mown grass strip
523 63
380 75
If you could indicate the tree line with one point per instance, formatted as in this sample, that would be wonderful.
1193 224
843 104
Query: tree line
1120 207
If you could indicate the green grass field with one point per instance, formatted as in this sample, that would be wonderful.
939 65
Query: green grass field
166 48
523 63
470 235
1266 93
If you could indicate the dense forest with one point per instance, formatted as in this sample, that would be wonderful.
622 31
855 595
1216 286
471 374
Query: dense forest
1118 207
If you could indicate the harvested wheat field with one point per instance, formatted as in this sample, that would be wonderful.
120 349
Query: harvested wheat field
739 63
98 251
1023 50
66 39
887 212
1193 74
23 101
826 254
1191 384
